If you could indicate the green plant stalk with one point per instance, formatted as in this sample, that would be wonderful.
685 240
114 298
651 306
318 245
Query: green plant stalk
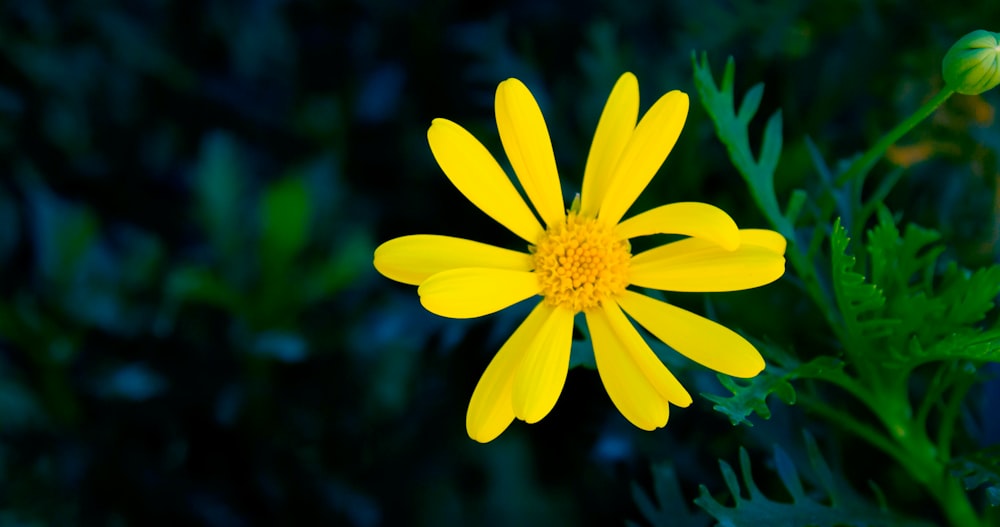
858 428
922 458
949 415
905 440
860 167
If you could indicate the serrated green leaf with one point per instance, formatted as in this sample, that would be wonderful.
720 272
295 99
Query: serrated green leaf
751 395
861 303
731 128
933 314
896 259
970 344
969 297
755 509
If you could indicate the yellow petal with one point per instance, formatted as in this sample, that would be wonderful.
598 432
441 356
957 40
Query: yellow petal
699 339
540 377
476 174
613 132
470 292
769 240
700 220
697 265
529 149
413 259
665 383
629 390
490 410
646 150
639 384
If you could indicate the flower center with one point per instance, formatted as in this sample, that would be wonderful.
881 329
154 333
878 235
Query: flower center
579 263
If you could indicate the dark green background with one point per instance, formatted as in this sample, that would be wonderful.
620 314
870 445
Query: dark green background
191 332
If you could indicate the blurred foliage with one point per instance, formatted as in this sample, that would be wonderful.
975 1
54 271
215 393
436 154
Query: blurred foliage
980 468
833 503
190 328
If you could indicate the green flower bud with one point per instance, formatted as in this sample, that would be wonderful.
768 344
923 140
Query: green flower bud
972 65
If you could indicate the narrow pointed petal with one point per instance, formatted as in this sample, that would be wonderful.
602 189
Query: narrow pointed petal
652 368
639 384
697 265
470 292
476 174
629 390
769 240
699 339
413 259
526 140
490 409
654 137
614 129
540 377
700 220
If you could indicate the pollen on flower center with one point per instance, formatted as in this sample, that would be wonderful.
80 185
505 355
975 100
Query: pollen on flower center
579 263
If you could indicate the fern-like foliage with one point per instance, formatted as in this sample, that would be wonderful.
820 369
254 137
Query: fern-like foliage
910 312
832 503
751 395
978 469
732 128
861 302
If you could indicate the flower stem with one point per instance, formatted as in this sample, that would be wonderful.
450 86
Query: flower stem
847 422
912 449
861 165
925 460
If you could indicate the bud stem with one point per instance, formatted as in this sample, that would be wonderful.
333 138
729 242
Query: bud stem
860 167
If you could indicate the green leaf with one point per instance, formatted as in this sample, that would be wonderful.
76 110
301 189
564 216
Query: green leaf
969 344
978 469
731 126
750 104
285 211
770 148
896 259
932 315
861 303
668 507
750 395
839 504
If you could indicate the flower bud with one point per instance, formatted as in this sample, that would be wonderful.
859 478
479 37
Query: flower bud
972 65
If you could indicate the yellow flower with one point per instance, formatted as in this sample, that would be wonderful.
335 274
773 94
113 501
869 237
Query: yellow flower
581 261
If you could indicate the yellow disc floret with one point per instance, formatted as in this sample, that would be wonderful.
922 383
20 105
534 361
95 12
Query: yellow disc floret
579 263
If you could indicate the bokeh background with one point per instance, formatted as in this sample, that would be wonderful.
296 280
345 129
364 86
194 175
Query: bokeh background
191 331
